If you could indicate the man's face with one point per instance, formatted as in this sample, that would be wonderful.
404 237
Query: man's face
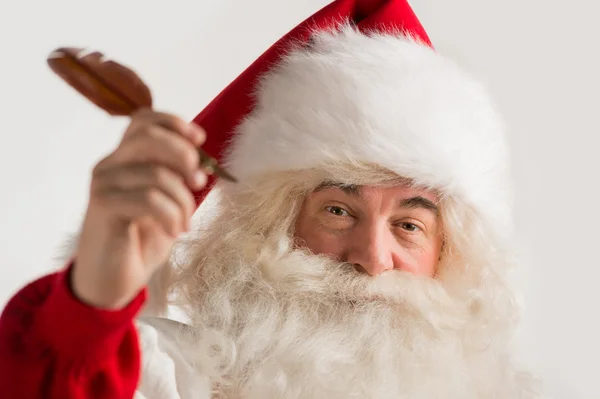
374 228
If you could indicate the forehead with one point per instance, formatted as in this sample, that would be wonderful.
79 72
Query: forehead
405 194
400 189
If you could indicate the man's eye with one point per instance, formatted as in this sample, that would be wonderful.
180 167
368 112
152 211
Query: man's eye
409 227
336 210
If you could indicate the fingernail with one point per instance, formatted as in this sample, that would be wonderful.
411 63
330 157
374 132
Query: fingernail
199 179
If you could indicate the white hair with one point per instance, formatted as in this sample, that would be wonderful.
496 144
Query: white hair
287 323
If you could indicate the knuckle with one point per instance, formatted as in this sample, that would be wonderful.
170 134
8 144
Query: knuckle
134 126
156 201
100 178
95 187
190 158
97 192
161 175
165 119
137 145
142 113
153 197
100 167
170 120
146 130
97 171
138 130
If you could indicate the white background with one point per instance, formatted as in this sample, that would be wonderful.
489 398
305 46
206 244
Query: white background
539 57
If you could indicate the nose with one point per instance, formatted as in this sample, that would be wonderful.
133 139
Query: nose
371 249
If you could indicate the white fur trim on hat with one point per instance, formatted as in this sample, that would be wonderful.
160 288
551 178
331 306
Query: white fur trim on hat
384 99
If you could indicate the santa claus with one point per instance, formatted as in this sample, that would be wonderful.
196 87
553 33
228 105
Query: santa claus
362 253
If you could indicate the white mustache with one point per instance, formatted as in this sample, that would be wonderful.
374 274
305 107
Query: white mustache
318 278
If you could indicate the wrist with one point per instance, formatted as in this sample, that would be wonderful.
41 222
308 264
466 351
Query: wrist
93 291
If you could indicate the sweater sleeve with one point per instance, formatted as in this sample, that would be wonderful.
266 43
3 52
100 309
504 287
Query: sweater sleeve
54 346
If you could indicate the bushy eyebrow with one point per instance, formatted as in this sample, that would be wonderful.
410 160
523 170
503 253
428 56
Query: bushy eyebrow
419 202
411 203
347 188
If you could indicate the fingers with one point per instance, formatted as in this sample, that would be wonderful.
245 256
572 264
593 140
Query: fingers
159 146
145 203
148 177
146 117
152 172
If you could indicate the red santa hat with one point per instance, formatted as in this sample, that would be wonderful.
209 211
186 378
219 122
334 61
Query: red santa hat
360 81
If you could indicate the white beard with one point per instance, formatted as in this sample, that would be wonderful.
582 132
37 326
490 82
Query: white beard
295 325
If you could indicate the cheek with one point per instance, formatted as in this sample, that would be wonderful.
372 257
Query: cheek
323 244
428 264
422 261
318 240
